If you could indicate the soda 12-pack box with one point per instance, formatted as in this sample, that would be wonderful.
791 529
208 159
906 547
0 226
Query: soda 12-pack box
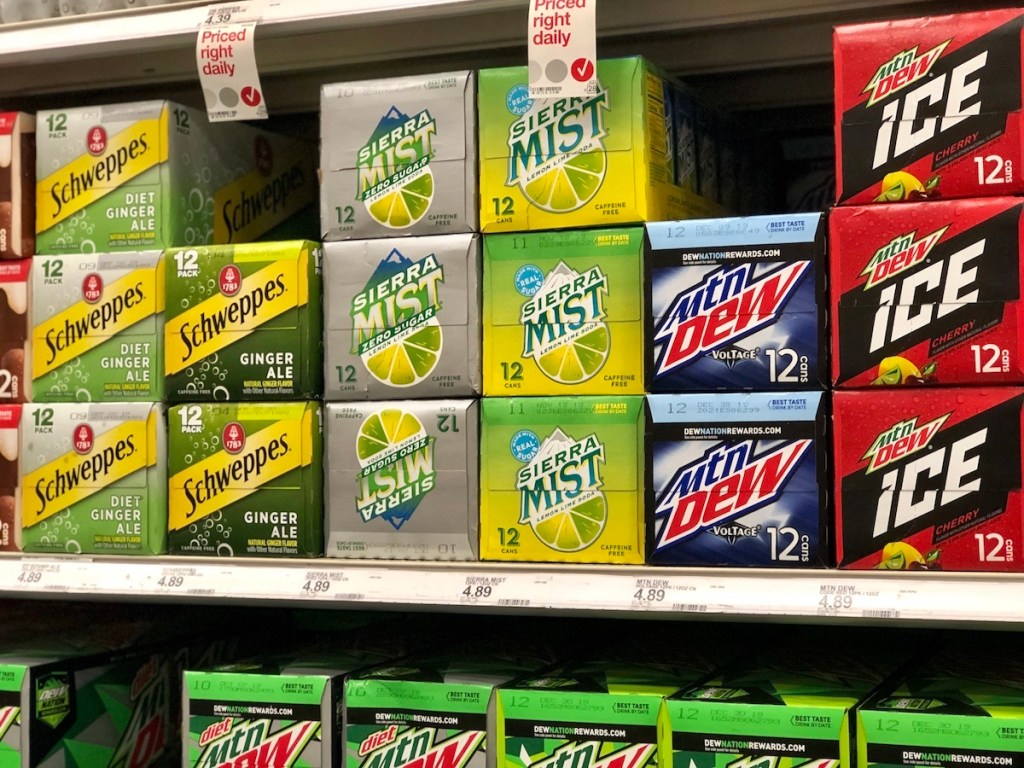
98 327
563 313
245 479
14 330
244 322
10 477
737 304
603 159
929 107
928 480
738 479
561 479
402 479
927 293
93 478
398 156
17 185
402 318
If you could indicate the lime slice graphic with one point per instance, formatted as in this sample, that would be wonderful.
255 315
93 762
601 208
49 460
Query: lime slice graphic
576 528
577 360
383 431
406 203
569 185
409 359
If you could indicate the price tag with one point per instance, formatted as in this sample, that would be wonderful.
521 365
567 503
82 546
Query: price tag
226 59
868 601
181 579
41 576
562 48
665 595
329 584
483 589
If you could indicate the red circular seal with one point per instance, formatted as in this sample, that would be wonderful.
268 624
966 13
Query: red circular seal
230 280
92 288
83 439
96 140
233 438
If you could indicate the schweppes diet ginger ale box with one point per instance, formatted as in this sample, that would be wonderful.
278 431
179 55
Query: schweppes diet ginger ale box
97 327
93 478
246 479
154 174
244 322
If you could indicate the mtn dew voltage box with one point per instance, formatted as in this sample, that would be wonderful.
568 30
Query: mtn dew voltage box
926 293
563 313
402 318
94 478
738 479
929 480
14 330
597 160
929 107
244 322
97 327
245 479
402 479
561 479
737 303
154 174
398 156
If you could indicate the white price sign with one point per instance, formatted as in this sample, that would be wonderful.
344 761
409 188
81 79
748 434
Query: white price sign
226 60
334 585
42 575
562 48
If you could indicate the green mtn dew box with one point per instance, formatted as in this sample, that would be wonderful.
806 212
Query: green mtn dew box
561 479
398 157
563 313
93 478
245 479
97 327
402 480
243 322
154 174
402 318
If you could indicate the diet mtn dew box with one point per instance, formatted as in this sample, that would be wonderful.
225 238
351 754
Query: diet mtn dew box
427 711
154 174
97 327
398 157
10 481
244 322
563 313
93 478
277 710
246 479
581 161
14 329
402 479
561 479
402 318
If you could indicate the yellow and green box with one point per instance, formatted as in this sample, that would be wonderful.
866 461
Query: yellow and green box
561 479
580 161
563 313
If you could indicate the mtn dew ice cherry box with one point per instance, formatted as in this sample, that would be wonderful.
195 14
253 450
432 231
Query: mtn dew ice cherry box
581 161
244 322
561 479
398 156
402 479
402 318
926 293
245 479
17 185
14 330
93 478
929 107
738 479
563 313
10 477
97 327
929 480
737 303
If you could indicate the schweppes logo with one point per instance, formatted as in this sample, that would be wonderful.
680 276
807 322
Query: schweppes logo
223 479
84 325
221 320
89 177
73 477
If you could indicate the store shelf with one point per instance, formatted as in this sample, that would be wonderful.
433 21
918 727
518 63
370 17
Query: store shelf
868 597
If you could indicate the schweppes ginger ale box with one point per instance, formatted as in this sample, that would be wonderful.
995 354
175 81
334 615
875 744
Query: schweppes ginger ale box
154 174
246 479
93 478
244 322
97 327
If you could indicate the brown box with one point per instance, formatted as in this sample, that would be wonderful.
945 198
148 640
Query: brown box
17 185
14 331
10 498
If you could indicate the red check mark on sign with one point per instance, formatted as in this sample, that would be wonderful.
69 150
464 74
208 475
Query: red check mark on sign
251 96
582 70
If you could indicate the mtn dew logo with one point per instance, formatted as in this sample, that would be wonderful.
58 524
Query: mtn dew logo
396 460
234 743
395 328
395 182
898 255
556 155
563 324
418 748
595 754
560 490
147 734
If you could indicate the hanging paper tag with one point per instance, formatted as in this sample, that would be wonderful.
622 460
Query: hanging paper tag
562 48
226 58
